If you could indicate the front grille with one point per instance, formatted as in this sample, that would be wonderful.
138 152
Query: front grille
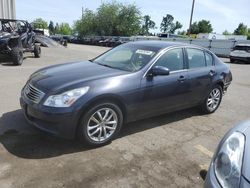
33 94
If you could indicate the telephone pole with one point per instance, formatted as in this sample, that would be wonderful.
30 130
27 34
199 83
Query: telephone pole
191 18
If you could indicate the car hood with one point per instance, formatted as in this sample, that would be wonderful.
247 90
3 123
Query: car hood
57 77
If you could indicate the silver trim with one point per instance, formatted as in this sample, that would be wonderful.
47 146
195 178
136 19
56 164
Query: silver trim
163 51
102 124
33 94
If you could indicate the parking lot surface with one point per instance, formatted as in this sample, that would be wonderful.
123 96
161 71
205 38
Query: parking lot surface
165 151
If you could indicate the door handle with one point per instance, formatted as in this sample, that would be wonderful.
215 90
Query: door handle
212 72
181 78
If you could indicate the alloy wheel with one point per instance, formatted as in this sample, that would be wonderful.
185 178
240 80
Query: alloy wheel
102 124
214 99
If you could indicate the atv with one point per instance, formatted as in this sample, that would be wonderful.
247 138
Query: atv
16 38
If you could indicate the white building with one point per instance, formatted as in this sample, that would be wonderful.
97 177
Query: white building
212 36
8 9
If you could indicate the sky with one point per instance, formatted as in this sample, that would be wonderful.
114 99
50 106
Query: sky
223 14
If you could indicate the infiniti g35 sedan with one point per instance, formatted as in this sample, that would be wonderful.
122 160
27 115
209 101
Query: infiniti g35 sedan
91 100
230 164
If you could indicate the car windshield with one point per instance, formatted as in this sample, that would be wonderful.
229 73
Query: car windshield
128 58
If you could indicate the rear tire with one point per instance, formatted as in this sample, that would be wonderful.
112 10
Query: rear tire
17 56
213 100
100 124
37 51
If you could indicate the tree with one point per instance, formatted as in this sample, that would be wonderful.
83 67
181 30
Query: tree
51 27
39 23
175 27
129 20
241 29
110 19
248 36
56 30
226 32
167 25
147 24
203 26
64 29
87 25
182 32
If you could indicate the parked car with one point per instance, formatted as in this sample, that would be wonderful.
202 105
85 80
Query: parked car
16 38
230 164
136 80
241 52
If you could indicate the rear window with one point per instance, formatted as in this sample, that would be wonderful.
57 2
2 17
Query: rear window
243 48
196 58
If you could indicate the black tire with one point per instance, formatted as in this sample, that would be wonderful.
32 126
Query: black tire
65 43
82 131
17 56
37 51
205 107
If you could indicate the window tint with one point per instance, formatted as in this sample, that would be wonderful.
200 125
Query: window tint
209 59
172 59
196 58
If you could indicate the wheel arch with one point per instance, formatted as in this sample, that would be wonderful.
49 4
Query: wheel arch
103 98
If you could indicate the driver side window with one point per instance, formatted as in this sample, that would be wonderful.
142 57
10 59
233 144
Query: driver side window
172 59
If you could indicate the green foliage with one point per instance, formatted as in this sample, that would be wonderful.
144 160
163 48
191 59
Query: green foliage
39 23
110 19
203 26
147 24
168 25
226 32
51 28
241 29
87 25
182 32
64 29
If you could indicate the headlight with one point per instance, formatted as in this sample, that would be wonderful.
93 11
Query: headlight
65 99
228 161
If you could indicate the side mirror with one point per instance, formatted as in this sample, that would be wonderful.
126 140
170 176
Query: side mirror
159 71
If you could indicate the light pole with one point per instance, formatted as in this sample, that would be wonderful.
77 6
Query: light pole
191 17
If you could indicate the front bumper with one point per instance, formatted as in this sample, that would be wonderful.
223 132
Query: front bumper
54 121
212 182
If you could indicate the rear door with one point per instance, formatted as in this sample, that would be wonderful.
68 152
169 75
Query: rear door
201 71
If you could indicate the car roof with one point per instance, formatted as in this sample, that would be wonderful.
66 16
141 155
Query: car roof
11 20
163 44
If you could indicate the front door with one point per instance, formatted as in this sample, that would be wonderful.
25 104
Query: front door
165 93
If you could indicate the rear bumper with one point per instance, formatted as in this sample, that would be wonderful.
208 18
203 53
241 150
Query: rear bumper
62 124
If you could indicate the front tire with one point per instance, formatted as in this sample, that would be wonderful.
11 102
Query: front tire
17 56
37 51
100 124
213 100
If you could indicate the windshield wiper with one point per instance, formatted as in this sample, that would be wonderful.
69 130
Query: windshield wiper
103 64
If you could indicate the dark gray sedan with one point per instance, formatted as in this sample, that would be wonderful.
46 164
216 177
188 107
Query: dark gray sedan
230 164
136 80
